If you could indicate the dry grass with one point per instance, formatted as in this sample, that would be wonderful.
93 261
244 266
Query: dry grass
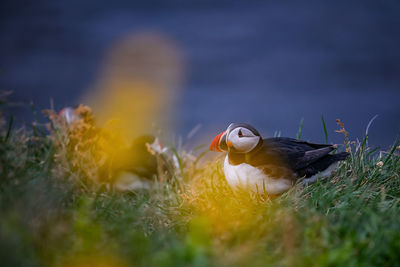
57 211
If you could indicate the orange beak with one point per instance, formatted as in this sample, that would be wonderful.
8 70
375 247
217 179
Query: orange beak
215 143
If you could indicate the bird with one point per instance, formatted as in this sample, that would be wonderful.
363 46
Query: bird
133 167
272 165
125 168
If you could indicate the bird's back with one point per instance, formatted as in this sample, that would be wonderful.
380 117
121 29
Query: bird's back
283 154
304 158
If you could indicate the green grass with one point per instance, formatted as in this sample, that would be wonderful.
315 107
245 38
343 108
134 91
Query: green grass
54 215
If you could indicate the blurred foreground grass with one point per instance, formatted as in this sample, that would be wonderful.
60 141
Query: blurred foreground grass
56 216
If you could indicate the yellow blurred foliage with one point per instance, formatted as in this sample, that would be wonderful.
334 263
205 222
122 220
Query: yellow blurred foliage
137 86
94 260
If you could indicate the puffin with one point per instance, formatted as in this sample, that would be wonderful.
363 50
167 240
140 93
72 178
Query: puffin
272 165
130 168
134 167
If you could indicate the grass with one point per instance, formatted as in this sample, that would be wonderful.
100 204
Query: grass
54 214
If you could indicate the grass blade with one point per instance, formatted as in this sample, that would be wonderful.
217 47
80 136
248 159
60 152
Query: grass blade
369 124
300 129
389 156
10 124
325 131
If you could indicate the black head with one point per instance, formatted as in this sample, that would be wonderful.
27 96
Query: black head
238 138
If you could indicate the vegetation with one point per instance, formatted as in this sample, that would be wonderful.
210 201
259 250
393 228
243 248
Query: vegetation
55 212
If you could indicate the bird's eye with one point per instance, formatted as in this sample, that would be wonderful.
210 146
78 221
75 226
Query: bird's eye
240 134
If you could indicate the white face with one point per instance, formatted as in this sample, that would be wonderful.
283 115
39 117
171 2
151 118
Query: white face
242 139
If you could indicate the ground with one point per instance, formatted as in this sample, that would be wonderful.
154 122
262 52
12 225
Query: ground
54 211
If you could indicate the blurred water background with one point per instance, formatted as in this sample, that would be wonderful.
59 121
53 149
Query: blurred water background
269 63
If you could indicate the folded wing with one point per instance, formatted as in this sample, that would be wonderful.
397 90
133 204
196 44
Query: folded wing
301 157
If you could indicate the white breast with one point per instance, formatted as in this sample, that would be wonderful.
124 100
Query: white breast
247 176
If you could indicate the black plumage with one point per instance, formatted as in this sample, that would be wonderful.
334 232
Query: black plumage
287 157
135 159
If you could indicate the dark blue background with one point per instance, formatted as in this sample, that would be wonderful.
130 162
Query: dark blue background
265 62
